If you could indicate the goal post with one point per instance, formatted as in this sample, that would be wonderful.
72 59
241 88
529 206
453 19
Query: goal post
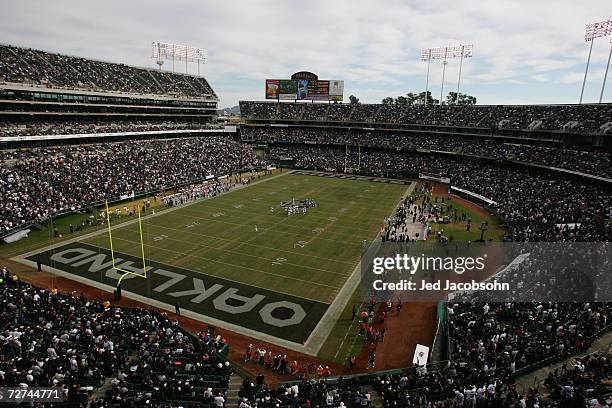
110 239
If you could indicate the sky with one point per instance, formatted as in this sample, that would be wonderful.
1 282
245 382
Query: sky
525 51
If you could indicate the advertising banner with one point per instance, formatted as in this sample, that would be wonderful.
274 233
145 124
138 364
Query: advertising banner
302 88
318 90
336 88
272 86
287 89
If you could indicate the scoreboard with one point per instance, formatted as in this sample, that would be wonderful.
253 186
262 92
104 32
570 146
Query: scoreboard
305 86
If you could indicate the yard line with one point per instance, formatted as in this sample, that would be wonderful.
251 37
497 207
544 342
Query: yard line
336 241
201 245
230 264
309 217
249 244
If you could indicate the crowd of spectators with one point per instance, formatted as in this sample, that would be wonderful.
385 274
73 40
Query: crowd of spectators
59 179
574 118
596 163
345 392
494 338
26 65
62 340
8 129
586 378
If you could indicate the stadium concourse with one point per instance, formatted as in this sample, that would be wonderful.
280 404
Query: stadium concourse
544 170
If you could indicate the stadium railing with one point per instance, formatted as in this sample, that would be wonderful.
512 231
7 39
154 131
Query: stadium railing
441 342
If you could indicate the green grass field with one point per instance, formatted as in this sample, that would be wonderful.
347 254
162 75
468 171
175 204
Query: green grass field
304 255
458 230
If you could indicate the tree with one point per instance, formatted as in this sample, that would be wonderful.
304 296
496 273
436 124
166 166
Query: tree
412 98
430 99
464 99
401 101
354 100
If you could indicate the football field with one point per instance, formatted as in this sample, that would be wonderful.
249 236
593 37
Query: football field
237 259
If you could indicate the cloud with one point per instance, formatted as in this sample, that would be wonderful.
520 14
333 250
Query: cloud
373 46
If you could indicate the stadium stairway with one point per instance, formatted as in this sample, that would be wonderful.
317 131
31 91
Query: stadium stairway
235 384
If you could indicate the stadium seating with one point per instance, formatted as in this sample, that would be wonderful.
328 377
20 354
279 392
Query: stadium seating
596 163
87 127
40 183
54 339
29 66
574 118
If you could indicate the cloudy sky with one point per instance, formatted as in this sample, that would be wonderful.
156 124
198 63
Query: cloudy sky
525 51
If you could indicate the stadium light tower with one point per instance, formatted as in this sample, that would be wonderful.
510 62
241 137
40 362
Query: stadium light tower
444 53
593 31
165 51
603 85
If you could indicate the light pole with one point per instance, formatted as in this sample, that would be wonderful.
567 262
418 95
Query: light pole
443 73
593 31
165 51
444 53
603 85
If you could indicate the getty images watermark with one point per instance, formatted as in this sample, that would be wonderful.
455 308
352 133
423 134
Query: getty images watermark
408 265
517 272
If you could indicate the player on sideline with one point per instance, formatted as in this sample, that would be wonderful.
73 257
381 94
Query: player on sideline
256 229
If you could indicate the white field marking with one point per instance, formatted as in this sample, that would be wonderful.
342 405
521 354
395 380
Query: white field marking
199 245
300 244
253 245
185 312
329 201
266 206
160 237
346 334
192 225
279 261
229 264
264 229
321 332
317 189
237 206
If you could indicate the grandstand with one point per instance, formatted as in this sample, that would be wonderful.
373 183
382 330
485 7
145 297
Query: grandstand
44 95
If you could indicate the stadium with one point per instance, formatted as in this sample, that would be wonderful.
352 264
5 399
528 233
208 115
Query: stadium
157 250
